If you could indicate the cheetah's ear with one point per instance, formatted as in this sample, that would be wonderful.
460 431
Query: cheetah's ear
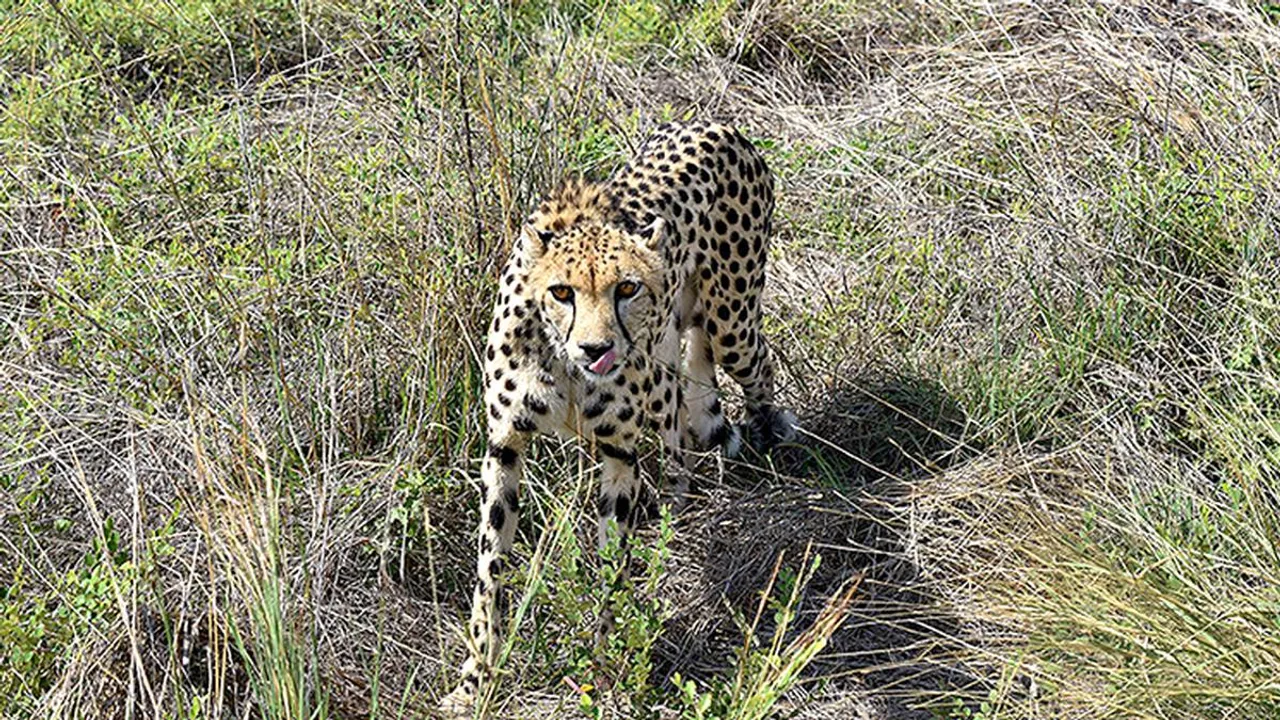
653 233
536 240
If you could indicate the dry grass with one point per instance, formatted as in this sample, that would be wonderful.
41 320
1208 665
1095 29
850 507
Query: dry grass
1026 291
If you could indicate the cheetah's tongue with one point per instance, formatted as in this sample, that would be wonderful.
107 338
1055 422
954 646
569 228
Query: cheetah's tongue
603 363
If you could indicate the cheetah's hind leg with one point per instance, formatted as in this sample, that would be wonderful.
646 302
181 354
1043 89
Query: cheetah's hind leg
706 429
769 426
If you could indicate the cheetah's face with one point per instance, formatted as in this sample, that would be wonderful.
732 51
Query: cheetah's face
596 287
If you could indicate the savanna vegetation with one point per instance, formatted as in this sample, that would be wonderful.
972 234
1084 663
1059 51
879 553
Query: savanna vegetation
1025 292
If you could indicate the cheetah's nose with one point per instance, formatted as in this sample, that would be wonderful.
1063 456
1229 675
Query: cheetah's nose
600 355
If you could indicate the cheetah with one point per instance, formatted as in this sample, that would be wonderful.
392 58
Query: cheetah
604 285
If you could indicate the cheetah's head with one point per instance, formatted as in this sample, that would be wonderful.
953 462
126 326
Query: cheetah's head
597 288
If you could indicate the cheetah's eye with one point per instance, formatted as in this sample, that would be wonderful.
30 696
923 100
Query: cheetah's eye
627 289
563 293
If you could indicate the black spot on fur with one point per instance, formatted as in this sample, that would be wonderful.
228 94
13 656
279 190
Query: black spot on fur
505 455
617 453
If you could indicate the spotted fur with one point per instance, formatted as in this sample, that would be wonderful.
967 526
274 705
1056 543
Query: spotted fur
686 227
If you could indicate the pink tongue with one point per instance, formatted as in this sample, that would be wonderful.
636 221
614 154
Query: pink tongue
602 365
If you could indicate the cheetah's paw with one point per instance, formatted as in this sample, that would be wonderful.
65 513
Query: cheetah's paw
460 703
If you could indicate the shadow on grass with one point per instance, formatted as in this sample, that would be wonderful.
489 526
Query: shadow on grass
842 491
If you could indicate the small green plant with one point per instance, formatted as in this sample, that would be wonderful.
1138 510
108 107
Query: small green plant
766 672
415 488
639 612
37 626
33 631
616 668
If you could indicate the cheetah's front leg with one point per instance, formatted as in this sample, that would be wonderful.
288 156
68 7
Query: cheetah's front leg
499 516
619 493
667 413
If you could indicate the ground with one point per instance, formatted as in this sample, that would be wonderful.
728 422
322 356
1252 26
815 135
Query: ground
1024 292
